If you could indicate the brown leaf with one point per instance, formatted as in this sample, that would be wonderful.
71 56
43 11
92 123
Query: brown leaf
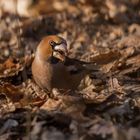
104 58
115 86
12 92
51 105
10 67
70 105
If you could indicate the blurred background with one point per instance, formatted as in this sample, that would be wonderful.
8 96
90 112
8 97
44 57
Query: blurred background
107 104
30 20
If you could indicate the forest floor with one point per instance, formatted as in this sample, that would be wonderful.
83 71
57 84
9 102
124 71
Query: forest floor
106 105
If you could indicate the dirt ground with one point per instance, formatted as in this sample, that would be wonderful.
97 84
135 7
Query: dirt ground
106 106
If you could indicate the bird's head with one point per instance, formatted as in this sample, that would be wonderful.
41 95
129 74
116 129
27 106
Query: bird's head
52 47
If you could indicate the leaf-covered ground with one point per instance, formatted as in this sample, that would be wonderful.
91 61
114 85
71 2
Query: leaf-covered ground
106 105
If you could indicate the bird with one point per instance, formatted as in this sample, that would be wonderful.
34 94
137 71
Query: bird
53 69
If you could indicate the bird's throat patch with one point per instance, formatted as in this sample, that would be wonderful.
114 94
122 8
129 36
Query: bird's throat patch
54 60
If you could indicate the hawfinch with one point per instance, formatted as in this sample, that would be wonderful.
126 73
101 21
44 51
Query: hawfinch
51 68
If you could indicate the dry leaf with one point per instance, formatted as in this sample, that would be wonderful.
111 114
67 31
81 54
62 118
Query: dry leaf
12 92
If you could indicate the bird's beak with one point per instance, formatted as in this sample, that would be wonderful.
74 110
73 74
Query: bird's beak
60 51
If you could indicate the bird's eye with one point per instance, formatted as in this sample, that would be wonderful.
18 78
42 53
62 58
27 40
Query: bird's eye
52 43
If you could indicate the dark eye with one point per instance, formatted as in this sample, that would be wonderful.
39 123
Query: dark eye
52 43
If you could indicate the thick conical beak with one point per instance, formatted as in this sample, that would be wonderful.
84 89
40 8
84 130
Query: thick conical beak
60 51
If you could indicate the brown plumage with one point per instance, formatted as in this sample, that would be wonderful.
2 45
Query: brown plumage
52 68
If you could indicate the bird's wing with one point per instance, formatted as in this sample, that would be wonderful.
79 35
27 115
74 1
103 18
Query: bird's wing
75 66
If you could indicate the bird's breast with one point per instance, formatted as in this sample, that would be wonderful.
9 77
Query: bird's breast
42 74
49 76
